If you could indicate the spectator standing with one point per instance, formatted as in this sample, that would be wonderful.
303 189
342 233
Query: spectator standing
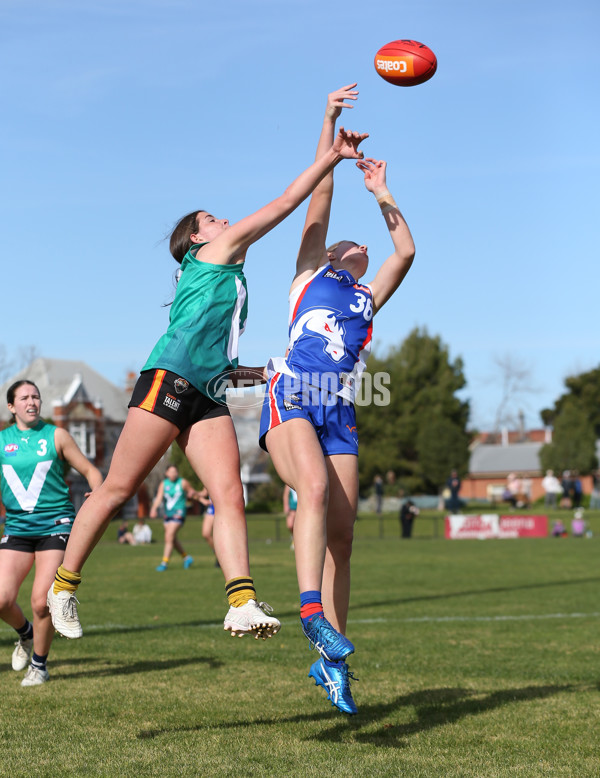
454 503
552 488
378 487
577 491
408 513
595 495
566 500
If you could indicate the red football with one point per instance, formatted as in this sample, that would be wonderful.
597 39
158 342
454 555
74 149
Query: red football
405 63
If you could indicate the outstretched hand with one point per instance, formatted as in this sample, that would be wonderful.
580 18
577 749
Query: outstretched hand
374 170
335 100
346 143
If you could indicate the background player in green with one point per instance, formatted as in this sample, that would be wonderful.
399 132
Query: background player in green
34 459
172 494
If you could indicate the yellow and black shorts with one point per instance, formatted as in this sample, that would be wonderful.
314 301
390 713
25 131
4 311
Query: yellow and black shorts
173 398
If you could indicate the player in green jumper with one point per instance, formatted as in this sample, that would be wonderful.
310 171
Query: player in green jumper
176 399
34 458
172 494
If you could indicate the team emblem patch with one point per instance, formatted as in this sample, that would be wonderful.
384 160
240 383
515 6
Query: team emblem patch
181 385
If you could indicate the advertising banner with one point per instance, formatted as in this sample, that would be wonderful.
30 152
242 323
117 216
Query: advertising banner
490 525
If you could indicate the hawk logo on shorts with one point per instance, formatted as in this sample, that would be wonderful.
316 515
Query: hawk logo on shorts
4 539
181 385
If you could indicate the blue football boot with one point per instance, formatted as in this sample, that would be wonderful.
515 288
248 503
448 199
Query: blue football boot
335 677
326 639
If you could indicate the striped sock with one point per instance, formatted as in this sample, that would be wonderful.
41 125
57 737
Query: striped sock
310 603
66 581
39 661
26 631
239 591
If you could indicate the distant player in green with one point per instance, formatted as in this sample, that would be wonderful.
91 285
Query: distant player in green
173 494
178 397
34 459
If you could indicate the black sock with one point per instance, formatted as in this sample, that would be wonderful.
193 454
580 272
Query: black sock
26 631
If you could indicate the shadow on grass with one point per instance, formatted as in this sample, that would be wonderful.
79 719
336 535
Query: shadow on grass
471 593
115 668
433 708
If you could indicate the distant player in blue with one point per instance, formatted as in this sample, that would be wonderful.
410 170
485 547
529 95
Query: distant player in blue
308 421
173 494
34 459
208 521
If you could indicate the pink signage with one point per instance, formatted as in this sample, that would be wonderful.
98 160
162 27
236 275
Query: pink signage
490 525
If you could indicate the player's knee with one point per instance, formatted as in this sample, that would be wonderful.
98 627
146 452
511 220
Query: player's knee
7 600
339 542
229 499
116 492
38 604
315 494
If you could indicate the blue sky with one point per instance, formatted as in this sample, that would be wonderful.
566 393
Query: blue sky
120 116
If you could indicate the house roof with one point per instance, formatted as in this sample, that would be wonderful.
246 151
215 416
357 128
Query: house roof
63 380
518 457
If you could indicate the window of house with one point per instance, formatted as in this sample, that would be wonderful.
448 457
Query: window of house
84 433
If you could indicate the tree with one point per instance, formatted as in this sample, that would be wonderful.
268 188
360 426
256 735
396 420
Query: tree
515 381
420 433
584 390
576 421
574 441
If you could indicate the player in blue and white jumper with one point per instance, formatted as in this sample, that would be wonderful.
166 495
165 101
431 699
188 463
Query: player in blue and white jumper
308 422
35 457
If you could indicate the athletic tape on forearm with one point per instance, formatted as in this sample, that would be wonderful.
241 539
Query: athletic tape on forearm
387 203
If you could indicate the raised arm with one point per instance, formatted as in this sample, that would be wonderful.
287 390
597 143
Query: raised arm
232 244
314 235
391 274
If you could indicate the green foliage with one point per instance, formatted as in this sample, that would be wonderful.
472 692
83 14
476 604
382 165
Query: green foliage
584 392
266 498
574 441
576 421
421 435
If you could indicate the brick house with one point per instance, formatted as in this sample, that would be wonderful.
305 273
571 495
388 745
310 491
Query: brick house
495 455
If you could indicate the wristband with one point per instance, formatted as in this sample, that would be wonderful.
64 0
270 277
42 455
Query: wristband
387 203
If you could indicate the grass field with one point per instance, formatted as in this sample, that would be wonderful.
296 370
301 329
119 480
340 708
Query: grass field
475 658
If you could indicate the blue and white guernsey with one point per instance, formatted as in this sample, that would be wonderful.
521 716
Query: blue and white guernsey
330 331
